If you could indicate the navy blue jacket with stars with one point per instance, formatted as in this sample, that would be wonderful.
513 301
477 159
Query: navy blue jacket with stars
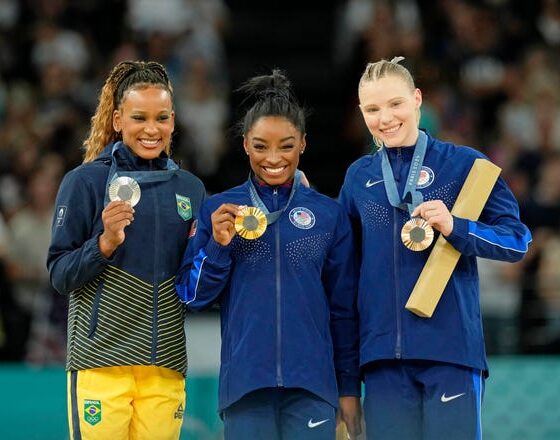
389 270
287 298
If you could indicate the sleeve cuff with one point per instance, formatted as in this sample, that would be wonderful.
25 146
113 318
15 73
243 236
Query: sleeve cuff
349 386
460 231
96 252
217 253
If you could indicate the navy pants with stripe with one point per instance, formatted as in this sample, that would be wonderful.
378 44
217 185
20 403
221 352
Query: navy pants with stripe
279 414
422 400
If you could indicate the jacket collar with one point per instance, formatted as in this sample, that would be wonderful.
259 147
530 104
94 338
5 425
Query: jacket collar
128 161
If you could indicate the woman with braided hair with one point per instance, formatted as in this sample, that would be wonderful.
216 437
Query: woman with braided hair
277 257
120 228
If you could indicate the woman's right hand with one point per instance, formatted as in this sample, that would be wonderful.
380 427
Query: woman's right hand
116 216
223 223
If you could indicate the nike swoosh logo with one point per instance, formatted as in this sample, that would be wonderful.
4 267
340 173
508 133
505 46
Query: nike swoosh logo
369 183
312 424
445 398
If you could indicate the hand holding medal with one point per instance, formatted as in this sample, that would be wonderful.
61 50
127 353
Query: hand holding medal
417 234
250 223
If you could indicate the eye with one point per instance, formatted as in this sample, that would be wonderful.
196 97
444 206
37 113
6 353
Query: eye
259 147
164 117
372 110
287 147
137 117
396 103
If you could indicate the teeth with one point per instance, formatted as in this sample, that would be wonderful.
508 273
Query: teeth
274 170
391 130
149 141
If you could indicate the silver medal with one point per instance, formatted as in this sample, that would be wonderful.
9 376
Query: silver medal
124 189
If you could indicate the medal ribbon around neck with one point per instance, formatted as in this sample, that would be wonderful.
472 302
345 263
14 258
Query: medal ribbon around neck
255 219
411 181
135 177
416 233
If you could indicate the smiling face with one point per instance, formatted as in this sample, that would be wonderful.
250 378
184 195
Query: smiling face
146 120
274 145
390 109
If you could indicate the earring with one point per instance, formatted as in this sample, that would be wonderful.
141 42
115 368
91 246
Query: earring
301 151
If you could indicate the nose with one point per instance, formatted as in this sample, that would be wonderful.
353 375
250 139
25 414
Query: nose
273 157
150 128
386 116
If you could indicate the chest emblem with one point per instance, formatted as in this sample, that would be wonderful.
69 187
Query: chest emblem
183 207
425 178
302 218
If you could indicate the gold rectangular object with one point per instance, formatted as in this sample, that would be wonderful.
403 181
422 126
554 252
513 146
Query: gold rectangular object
443 258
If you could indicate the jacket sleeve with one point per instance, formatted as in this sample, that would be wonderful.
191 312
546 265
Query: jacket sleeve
498 234
205 269
340 281
74 257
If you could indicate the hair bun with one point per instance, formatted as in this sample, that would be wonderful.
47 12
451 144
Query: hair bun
261 87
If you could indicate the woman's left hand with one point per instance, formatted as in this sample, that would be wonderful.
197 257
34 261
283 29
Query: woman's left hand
437 215
350 413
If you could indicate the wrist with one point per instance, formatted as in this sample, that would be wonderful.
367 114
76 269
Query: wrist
106 246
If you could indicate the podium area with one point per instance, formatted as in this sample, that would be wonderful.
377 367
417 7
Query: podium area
522 399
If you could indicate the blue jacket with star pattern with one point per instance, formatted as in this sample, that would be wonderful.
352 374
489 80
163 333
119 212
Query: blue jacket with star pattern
287 298
389 270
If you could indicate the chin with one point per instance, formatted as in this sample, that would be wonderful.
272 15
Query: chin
274 181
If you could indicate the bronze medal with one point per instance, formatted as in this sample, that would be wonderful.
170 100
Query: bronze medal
251 223
417 234
124 189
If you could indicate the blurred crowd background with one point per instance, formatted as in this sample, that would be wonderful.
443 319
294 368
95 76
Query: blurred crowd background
489 71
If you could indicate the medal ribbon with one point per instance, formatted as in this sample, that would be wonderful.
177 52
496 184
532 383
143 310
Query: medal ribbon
139 176
411 198
272 217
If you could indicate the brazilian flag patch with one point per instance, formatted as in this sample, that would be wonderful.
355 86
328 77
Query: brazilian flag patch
92 411
184 207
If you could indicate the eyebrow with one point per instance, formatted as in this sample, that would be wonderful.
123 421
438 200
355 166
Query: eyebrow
281 140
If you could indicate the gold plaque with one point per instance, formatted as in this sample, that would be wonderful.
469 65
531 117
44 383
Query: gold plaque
417 234
251 223
125 189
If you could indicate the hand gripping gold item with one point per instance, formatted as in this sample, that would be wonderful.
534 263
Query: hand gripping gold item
124 189
417 234
251 223
444 257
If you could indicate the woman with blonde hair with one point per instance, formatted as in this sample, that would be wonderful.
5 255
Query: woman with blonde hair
424 377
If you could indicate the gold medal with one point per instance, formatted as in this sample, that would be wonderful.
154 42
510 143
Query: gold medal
124 189
417 234
251 223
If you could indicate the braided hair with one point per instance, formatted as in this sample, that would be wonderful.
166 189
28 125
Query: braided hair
125 76
383 68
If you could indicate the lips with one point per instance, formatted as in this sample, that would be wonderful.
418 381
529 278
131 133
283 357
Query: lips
274 171
150 143
391 130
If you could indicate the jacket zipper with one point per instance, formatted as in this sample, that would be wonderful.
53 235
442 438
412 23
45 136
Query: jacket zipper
155 287
396 234
279 379
95 310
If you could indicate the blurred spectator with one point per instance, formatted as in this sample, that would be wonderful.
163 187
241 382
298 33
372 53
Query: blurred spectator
202 108
30 232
